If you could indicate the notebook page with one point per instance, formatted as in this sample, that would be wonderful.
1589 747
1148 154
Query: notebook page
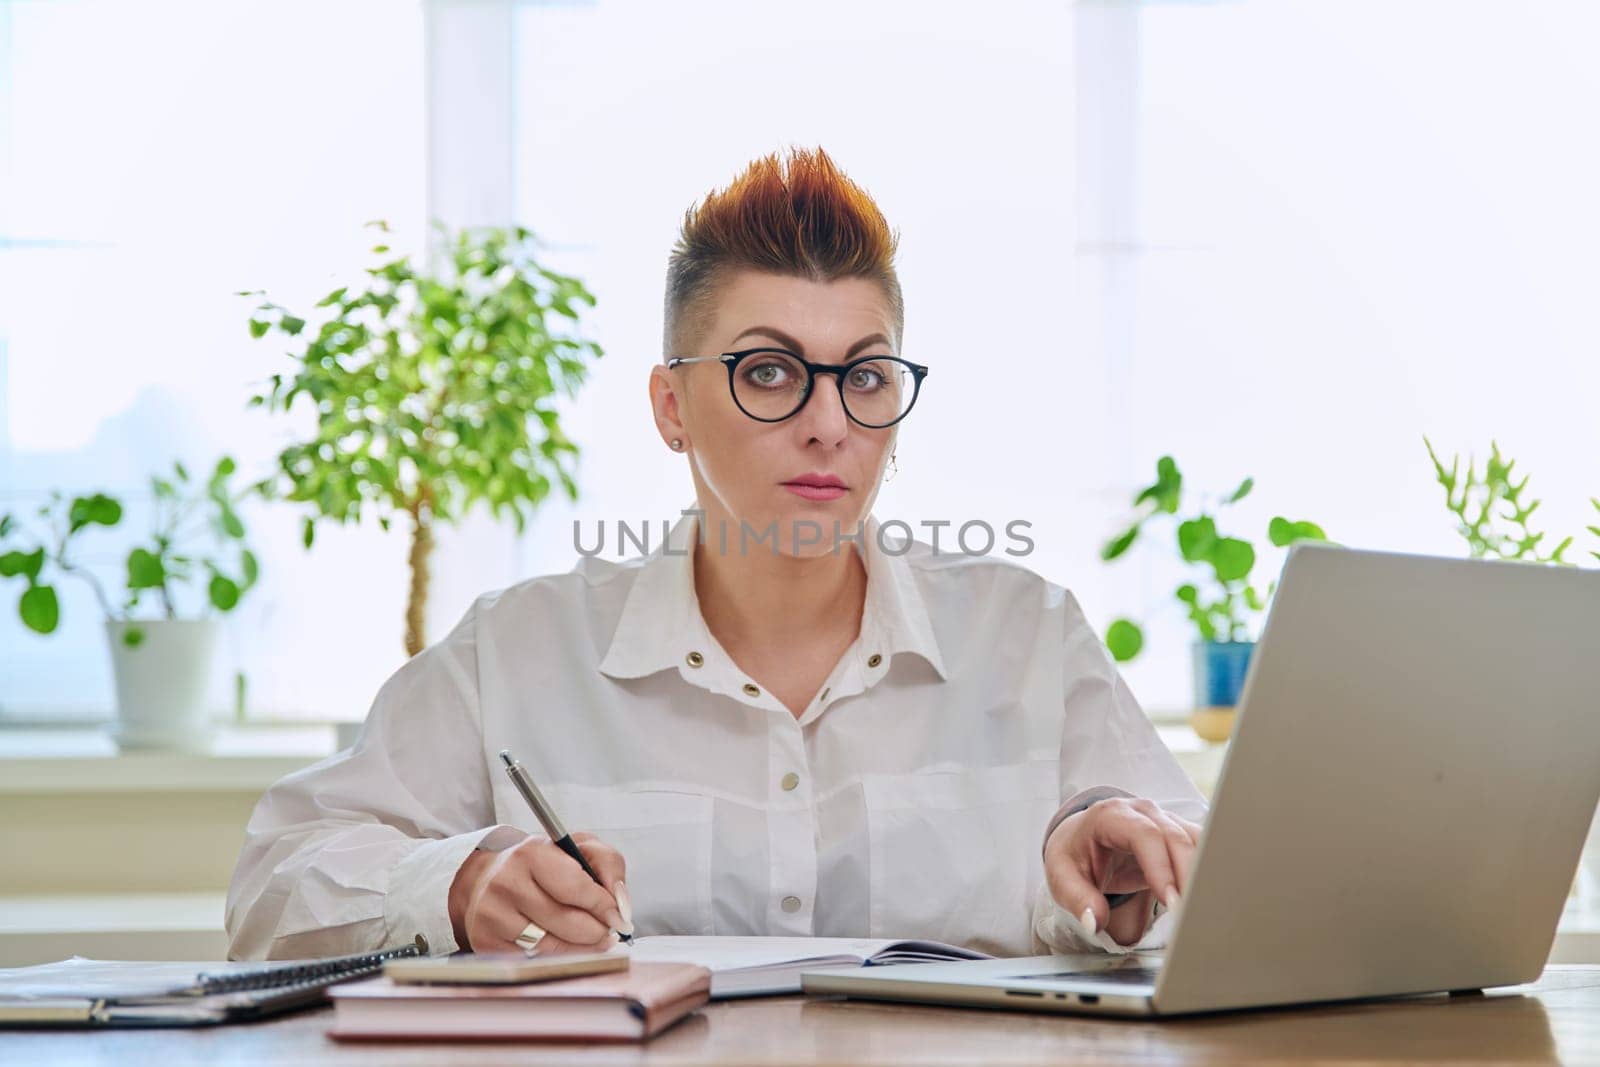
726 954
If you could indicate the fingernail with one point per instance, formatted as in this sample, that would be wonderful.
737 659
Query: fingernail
626 905
1087 918
1172 898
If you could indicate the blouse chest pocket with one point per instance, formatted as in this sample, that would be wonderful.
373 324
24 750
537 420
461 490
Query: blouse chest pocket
665 841
955 855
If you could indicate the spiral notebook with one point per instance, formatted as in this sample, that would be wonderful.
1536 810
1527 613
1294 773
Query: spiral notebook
80 992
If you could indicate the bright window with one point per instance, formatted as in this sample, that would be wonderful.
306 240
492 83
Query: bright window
154 159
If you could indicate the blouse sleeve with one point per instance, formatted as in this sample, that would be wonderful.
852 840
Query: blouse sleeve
1109 747
356 853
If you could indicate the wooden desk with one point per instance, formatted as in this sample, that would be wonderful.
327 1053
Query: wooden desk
1555 1019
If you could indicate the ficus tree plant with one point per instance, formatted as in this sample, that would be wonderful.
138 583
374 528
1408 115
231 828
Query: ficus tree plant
1221 597
187 517
432 390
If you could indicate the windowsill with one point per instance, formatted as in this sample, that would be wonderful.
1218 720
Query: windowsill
86 760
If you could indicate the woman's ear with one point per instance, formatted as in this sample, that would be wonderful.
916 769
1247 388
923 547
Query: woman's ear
664 406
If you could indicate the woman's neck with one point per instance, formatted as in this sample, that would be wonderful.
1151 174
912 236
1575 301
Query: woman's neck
763 599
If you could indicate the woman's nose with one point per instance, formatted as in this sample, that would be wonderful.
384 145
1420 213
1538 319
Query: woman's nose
823 412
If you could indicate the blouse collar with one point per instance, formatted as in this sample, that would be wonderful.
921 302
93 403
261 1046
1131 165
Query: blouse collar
661 625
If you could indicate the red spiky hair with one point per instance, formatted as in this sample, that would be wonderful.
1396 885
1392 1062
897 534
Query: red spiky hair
805 219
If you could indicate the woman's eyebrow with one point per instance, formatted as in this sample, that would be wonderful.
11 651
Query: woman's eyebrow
789 342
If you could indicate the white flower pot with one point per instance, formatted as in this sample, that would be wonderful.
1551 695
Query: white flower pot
163 681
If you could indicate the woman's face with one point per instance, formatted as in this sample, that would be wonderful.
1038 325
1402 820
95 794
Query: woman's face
745 470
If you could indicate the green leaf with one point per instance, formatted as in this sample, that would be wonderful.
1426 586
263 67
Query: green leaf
1282 532
1167 489
145 570
98 508
133 636
29 564
332 298
1188 594
1232 559
6 525
225 469
258 329
1241 492
39 609
309 531
291 325
231 524
1119 544
224 592
250 568
183 472
1196 538
1124 639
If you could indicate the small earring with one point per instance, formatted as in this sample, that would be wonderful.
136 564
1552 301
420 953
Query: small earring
894 468
677 444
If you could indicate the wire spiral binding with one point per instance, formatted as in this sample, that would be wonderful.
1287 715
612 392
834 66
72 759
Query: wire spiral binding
301 975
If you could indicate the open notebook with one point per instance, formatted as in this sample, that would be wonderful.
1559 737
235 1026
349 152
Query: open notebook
758 966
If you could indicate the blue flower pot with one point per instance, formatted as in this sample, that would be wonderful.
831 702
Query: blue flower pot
1219 671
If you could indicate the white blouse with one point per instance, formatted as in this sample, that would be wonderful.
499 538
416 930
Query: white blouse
909 800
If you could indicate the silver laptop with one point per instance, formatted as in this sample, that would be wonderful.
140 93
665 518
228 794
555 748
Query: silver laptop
1414 767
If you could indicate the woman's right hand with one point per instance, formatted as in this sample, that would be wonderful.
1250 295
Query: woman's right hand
495 895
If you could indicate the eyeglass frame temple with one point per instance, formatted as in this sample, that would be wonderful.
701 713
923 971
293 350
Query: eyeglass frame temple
731 360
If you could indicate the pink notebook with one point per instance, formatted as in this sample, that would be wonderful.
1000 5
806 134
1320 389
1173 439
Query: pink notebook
628 1005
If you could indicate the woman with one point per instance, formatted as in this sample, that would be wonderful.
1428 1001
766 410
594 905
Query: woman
779 721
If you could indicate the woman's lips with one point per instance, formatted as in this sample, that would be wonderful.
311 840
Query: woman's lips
816 492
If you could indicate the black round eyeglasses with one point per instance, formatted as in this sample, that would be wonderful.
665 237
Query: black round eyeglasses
772 384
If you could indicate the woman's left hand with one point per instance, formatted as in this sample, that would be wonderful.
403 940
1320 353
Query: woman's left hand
1119 845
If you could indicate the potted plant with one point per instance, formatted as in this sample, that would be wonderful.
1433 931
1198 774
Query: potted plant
1221 598
431 391
161 662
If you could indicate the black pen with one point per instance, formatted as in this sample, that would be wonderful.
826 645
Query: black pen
549 820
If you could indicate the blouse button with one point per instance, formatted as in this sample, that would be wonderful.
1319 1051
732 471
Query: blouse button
790 780
791 904
694 659
751 691
874 659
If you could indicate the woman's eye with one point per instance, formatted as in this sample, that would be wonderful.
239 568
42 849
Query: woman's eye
767 374
866 378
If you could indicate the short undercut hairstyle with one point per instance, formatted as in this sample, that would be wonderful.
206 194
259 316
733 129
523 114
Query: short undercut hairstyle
800 218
